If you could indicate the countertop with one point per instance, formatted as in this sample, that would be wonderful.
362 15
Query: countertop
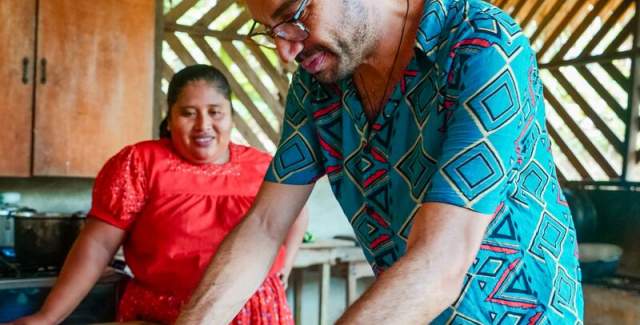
108 277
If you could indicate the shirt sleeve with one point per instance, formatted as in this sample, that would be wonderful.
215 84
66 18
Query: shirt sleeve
119 192
486 120
297 160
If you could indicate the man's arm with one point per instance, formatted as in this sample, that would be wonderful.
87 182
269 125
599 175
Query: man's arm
245 256
442 245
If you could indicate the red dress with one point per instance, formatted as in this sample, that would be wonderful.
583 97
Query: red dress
176 214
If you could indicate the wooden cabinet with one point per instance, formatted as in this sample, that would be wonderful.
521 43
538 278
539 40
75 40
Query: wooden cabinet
90 87
17 36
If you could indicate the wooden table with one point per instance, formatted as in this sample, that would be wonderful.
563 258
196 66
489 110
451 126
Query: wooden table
603 306
325 254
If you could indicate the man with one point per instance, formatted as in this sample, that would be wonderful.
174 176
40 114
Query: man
428 118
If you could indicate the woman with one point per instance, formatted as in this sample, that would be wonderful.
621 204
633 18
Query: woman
170 203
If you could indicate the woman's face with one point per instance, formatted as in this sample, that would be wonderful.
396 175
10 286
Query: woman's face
200 123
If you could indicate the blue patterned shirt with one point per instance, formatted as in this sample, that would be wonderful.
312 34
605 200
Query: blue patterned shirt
465 126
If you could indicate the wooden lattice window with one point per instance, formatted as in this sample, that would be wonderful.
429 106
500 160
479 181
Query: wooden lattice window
586 53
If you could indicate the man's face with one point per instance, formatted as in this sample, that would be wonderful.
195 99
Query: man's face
339 35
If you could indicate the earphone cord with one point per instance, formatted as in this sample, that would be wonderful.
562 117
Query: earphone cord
395 60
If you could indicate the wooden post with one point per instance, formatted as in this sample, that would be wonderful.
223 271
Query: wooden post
158 96
630 140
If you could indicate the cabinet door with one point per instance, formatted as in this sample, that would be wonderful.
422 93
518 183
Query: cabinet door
17 37
95 82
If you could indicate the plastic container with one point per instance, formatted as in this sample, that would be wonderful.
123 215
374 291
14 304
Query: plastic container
11 198
8 205
598 260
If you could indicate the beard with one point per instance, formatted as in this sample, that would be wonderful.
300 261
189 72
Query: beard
350 43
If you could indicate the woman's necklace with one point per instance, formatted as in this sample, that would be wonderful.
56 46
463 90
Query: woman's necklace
373 111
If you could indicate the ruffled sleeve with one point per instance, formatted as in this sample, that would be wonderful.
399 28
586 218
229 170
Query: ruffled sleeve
119 193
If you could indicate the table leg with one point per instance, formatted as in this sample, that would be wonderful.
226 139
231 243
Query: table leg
325 278
352 281
298 281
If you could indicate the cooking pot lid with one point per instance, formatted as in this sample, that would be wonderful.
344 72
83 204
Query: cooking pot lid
24 212
48 215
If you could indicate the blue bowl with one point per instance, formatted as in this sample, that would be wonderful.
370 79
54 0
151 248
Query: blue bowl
598 260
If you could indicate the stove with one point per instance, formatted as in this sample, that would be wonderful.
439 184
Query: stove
12 270
23 291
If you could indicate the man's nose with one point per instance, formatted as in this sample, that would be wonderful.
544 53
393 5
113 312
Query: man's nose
288 50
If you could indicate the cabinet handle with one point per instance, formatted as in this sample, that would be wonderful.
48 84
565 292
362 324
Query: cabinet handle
25 70
43 70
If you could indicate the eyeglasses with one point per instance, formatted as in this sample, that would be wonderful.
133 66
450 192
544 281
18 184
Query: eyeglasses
292 30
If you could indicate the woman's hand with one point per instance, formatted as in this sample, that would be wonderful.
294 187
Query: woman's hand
284 277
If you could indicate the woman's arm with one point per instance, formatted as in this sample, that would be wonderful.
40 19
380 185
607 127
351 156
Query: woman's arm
92 251
292 244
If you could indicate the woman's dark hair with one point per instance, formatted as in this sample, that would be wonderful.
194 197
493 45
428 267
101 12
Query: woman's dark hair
198 72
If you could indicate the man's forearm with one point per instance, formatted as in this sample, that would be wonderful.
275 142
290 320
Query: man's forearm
246 253
443 242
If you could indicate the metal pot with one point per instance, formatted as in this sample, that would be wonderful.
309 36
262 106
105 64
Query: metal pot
44 239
